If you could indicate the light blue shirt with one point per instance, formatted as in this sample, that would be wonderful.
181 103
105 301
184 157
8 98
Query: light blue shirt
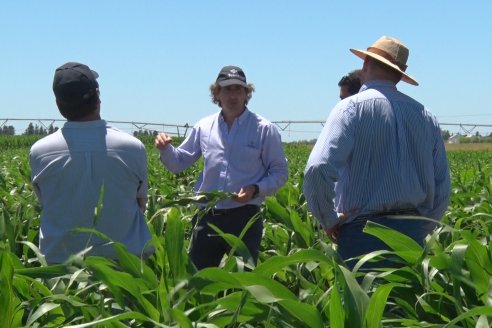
69 169
379 150
251 152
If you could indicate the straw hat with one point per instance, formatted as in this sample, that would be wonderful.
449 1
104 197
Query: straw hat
391 52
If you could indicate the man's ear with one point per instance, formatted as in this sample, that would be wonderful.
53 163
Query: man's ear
365 65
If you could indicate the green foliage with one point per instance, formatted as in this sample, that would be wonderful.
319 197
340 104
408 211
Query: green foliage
299 280
17 142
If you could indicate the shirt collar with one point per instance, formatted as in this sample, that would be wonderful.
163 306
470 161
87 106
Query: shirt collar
240 119
84 124
374 84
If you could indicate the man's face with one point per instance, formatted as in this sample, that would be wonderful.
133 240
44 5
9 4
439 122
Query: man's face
232 98
344 93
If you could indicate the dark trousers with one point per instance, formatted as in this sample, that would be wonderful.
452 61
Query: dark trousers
208 248
353 242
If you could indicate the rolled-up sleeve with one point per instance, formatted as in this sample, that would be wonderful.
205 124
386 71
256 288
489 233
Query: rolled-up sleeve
177 159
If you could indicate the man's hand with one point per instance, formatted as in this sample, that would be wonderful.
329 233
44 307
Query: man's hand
162 140
245 194
332 232
142 203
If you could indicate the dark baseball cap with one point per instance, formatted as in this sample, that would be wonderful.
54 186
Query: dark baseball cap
230 75
75 82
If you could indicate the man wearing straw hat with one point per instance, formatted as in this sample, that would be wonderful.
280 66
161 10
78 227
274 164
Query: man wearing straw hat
380 157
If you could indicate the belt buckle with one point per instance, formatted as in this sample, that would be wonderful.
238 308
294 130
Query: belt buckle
216 211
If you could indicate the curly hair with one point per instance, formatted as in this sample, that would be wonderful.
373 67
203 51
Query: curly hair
215 89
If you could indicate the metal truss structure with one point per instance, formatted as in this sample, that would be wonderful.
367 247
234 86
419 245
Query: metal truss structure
181 130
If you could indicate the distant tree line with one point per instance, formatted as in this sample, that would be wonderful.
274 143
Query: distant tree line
146 136
477 138
303 142
446 135
7 130
144 133
39 130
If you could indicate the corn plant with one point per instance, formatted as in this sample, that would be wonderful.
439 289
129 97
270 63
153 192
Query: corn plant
299 280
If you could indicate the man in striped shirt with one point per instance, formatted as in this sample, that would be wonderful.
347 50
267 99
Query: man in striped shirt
379 155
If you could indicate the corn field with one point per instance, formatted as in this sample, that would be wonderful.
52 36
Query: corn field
298 282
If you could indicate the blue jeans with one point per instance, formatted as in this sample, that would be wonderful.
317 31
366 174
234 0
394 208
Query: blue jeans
353 242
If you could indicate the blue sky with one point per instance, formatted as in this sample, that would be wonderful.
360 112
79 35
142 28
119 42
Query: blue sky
156 59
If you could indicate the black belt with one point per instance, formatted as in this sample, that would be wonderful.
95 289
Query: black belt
227 211
375 215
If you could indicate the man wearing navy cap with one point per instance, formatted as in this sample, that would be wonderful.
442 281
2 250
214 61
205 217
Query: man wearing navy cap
85 165
242 154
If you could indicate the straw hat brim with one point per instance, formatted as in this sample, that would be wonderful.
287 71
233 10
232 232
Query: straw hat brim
405 77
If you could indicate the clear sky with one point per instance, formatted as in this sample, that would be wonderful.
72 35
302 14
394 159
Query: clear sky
156 59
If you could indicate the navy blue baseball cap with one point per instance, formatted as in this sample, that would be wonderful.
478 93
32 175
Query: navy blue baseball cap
231 75
75 82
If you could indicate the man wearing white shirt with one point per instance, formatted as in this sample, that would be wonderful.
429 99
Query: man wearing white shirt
242 153
85 165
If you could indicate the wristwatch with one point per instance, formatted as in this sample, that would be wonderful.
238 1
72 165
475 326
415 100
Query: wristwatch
257 191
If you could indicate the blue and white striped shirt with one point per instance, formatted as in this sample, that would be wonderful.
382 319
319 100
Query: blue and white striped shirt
379 150
251 152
